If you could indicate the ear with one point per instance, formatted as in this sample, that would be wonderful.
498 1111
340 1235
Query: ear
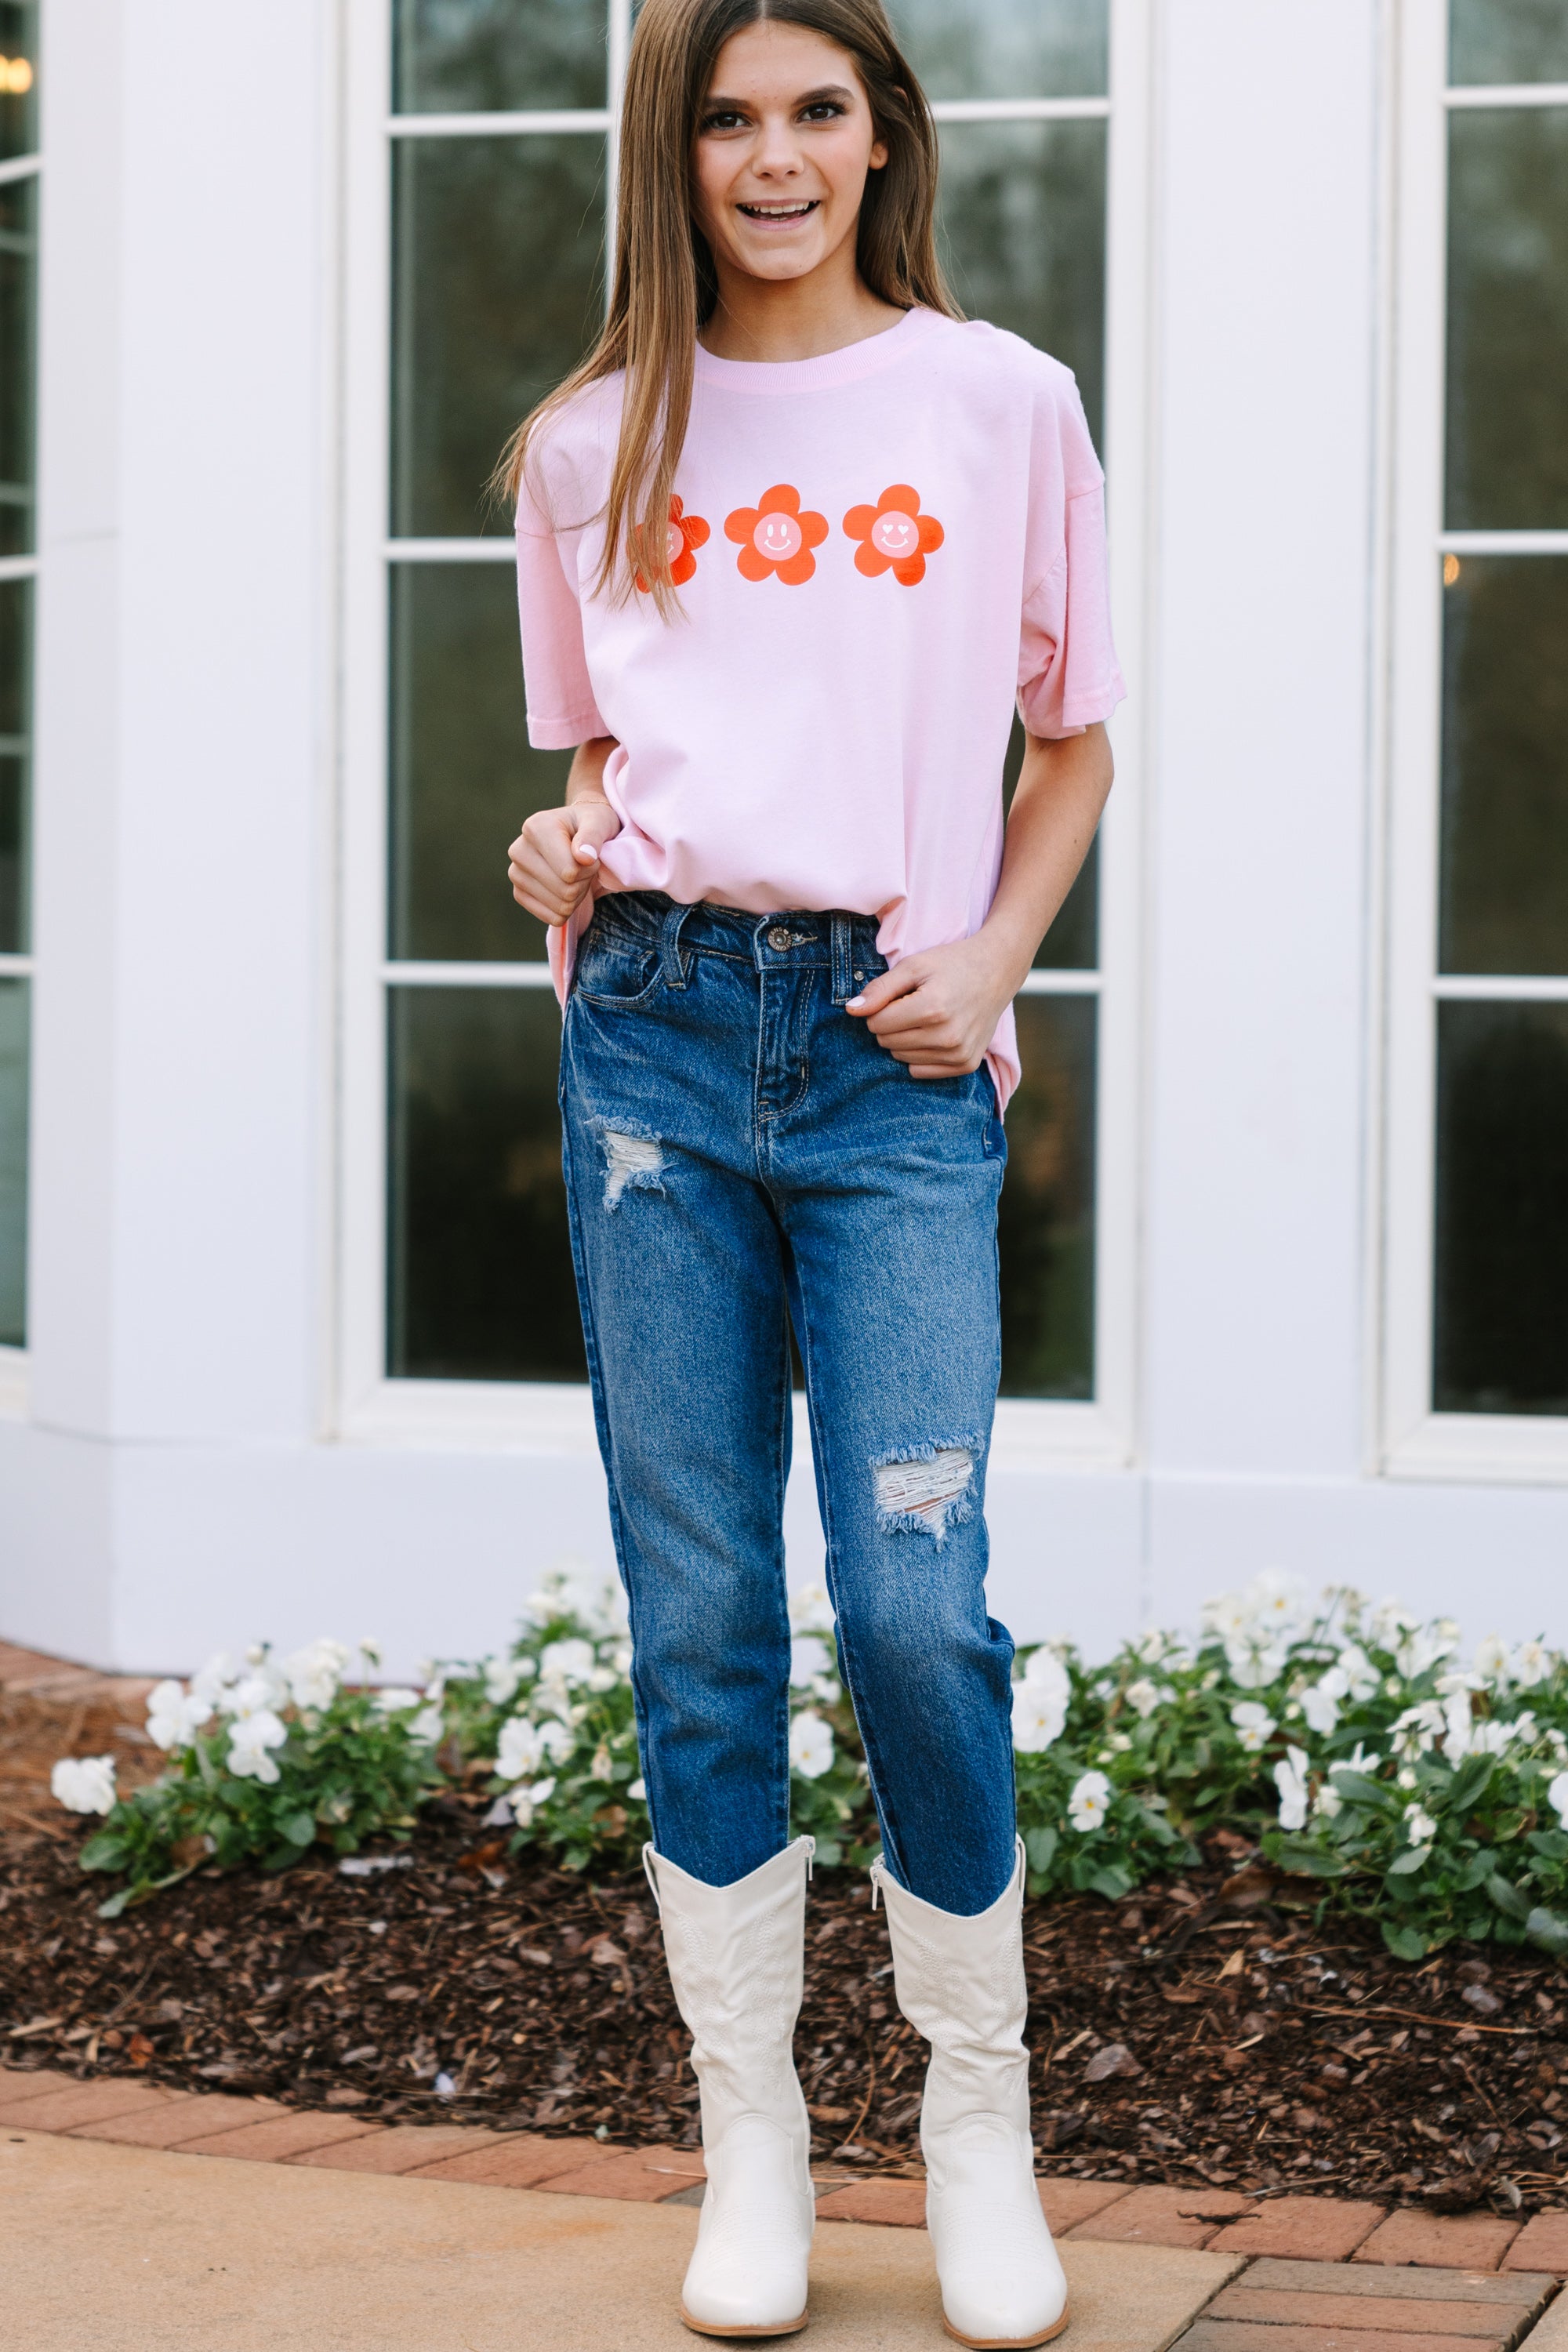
877 157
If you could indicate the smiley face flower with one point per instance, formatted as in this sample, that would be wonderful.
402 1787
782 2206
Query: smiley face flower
894 536
777 535
684 534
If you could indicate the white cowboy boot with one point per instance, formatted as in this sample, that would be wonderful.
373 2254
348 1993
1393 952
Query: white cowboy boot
960 1982
735 1957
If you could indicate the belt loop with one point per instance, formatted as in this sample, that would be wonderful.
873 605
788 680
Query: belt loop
843 948
673 962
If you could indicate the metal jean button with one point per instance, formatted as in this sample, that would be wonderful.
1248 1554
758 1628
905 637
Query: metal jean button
778 938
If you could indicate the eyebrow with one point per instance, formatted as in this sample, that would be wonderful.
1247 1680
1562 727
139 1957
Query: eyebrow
717 103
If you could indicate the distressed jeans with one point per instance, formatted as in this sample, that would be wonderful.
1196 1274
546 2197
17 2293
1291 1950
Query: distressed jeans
740 1151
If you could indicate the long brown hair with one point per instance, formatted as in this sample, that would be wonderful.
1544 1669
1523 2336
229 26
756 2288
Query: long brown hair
665 285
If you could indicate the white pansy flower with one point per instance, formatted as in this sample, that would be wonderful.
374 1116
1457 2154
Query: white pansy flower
1491 1659
1118 1744
1327 1804
574 1588
251 1739
621 1659
1458 1726
84 1784
1531 1664
1360 1674
1290 1779
1040 1702
1254 1726
172 1718
1146 1698
569 1663
314 1674
1089 1804
210 1681
637 1790
524 1801
1320 1703
1255 1659
810 1746
601 1768
1278 1602
1420 1829
1391 1622
428 1725
370 1648
1152 1647
1406 1777
1557 1797
602 1679
1417 1729
1228 1615
261 1692
524 1747
808 1661
502 1676
397 1701
810 1609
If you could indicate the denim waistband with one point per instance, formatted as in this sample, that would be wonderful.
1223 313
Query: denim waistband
801 939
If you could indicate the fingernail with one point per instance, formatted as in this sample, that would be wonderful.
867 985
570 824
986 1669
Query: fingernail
854 1005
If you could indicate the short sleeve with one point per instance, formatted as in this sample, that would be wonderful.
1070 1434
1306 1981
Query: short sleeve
1068 672
562 708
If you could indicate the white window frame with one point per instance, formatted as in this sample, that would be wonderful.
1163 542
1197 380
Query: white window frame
14 1374
1418 1441
556 1417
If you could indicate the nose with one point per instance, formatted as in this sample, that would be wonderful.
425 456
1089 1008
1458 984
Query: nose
778 155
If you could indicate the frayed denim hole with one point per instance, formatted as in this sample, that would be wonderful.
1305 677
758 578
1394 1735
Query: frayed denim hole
630 1159
926 1492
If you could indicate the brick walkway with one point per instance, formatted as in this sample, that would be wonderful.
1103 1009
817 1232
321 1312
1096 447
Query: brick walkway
1323 2274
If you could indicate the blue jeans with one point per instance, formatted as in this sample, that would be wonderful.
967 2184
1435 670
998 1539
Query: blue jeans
740 1151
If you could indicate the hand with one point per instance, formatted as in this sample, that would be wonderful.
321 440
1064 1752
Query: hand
555 861
937 1011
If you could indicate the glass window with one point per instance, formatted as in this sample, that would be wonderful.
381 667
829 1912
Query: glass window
1508 41
19 257
1501 1306
18 79
15 684
498 242
1507 319
12 1163
1504 897
487 57
497 294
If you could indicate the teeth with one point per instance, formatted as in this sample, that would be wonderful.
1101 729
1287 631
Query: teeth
779 212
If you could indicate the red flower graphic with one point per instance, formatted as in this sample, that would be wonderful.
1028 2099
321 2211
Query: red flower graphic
776 535
685 535
894 535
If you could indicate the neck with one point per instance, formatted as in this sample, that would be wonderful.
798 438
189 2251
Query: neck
795 318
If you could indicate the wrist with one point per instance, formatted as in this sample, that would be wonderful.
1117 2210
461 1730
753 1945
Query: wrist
1007 957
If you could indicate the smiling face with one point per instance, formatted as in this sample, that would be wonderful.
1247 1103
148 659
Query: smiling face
776 536
784 144
895 535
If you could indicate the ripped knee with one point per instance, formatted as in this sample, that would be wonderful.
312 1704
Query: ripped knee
927 1491
629 1158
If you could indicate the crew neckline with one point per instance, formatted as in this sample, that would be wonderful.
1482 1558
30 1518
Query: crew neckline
852 360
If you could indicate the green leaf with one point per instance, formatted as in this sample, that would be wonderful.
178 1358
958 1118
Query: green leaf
105 1850
116 1903
1411 1860
297 1828
1299 1856
1547 1931
1111 1882
1357 1790
1469 1780
1040 1845
1507 1896
1405 1943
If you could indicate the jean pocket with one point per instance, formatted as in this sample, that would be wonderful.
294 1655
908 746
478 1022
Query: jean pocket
616 971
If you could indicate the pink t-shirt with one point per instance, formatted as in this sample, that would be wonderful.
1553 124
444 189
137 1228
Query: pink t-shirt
877 552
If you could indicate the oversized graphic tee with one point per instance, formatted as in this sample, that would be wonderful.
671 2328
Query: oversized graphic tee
879 553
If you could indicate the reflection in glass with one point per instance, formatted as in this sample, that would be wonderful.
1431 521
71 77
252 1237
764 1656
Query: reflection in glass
1500 1340
1072 943
1507 320
1504 897
1508 40
1047 1203
463 774
12 1163
1022 228
18 287
479 1262
481 56
497 294
1006 49
18 79
16 682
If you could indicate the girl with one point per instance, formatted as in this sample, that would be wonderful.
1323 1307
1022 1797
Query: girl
791 543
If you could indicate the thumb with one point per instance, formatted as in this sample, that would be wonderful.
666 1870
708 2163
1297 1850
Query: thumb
884 990
591 826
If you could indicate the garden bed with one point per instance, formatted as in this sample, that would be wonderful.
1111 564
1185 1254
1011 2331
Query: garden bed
467 1984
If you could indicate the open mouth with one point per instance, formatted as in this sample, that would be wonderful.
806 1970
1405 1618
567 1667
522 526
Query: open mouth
781 215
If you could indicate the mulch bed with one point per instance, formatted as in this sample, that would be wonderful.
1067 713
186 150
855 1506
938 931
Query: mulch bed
1194 2033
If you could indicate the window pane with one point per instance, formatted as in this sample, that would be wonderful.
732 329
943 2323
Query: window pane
463 774
15 683
1505 765
18 79
1508 40
1006 49
1047 1203
478 57
1072 943
1501 1319
12 1163
497 294
1022 226
19 275
1507 320
480 1264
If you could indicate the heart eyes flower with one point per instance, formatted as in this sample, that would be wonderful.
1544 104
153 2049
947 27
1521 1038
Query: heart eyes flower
894 536
684 534
777 535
